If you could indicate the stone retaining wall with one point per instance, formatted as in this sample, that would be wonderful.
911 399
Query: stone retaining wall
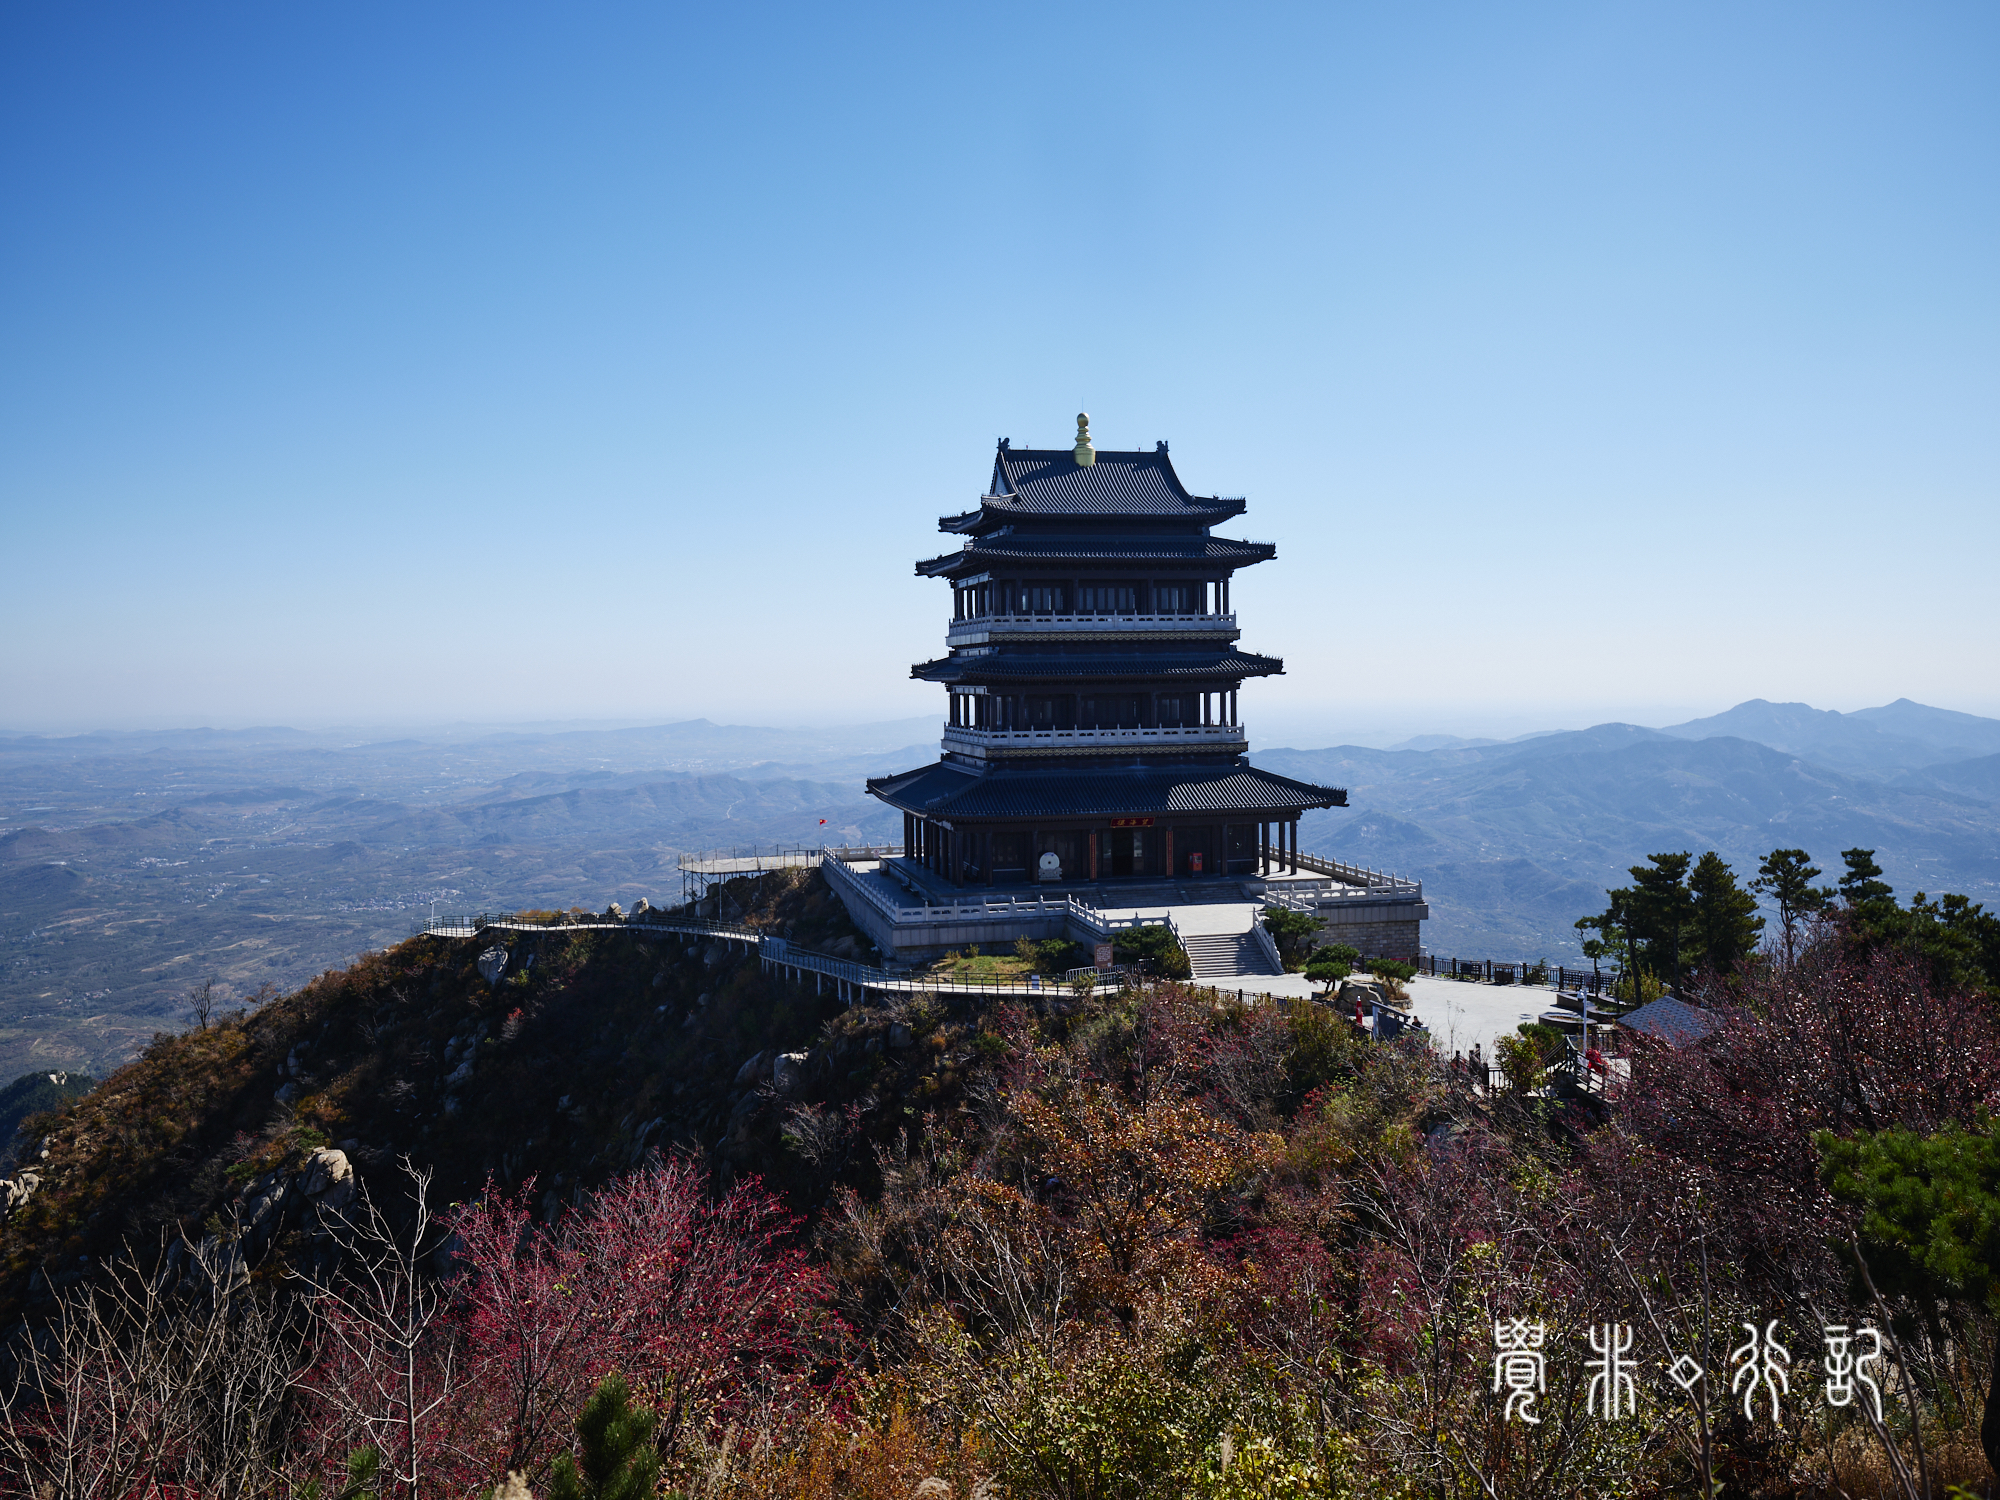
1380 929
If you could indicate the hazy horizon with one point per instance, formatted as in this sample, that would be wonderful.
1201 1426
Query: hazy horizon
1299 731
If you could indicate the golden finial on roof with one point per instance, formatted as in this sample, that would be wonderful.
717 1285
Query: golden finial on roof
1085 454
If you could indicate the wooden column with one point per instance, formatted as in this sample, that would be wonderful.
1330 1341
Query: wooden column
1167 838
1093 854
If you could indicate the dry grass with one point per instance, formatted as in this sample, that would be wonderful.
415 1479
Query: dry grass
891 1455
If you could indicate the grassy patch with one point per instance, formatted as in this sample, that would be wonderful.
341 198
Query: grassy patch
972 965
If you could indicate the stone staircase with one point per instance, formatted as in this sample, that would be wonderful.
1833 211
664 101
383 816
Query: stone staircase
1227 955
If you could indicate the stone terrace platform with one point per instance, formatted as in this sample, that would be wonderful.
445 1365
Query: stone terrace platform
912 915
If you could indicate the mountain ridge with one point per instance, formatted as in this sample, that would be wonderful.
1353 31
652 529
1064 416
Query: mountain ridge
1514 842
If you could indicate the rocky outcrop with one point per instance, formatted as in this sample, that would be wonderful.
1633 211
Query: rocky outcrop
313 1198
17 1190
493 964
461 1060
328 1180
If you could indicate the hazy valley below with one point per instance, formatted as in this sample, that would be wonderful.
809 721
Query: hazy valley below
134 866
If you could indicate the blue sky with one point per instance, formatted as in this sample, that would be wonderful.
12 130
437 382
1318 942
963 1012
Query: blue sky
407 364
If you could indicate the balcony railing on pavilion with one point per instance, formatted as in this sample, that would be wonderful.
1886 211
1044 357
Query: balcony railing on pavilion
975 741
975 626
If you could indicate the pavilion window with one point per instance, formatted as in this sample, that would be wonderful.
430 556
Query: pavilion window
1041 599
1107 599
1178 710
1110 711
1174 598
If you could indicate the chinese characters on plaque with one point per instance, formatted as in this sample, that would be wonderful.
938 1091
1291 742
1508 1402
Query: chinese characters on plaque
1761 1368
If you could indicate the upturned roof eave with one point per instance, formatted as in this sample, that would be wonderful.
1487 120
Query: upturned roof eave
1210 550
1233 667
1010 796
996 511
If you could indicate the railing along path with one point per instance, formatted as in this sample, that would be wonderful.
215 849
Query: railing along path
852 979
772 951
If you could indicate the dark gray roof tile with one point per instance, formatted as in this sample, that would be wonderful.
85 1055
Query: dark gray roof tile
1047 551
1672 1021
1050 482
943 790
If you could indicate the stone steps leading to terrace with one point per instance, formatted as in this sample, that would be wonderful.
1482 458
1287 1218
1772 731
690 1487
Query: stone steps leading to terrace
1227 955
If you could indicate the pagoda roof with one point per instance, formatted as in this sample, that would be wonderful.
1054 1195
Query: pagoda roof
1225 663
942 790
983 552
1050 482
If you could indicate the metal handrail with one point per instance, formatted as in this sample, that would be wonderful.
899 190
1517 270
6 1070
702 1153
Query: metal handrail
1073 619
1069 907
1119 972
1340 871
779 951
472 924
981 733
810 854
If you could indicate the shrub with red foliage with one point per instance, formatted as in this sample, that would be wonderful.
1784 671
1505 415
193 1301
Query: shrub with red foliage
702 1303
1834 1044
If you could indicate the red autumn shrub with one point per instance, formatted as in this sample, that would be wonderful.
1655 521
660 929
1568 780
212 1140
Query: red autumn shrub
703 1304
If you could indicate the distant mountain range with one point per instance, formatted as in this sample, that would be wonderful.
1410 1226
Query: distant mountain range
1899 736
1514 841
135 865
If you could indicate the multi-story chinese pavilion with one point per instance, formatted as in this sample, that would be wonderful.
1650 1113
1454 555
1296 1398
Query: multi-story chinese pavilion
1093 673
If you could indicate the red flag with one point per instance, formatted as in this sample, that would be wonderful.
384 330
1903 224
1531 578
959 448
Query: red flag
822 822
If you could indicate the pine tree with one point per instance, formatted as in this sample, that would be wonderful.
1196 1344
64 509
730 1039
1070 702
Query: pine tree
1618 923
619 1459
1662 909
1787 876
1862 887
1930 1227
1725 921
